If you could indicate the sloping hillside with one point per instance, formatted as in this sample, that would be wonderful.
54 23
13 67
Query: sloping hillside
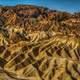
37 43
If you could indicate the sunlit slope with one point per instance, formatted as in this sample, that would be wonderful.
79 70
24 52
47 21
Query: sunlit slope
39 44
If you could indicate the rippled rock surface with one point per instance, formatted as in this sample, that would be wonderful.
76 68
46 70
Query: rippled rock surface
37 43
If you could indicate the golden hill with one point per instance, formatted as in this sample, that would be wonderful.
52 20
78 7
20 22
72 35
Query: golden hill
37 43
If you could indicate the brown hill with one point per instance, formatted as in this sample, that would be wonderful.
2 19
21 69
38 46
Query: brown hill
37 43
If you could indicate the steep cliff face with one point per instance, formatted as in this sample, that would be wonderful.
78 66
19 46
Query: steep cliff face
37 43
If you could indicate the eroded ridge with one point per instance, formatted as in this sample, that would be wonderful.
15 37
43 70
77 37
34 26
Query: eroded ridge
52 59
39 44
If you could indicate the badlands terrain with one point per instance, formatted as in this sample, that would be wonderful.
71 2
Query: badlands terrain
37 43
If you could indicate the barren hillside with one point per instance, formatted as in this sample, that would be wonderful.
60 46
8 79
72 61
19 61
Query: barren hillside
37 43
